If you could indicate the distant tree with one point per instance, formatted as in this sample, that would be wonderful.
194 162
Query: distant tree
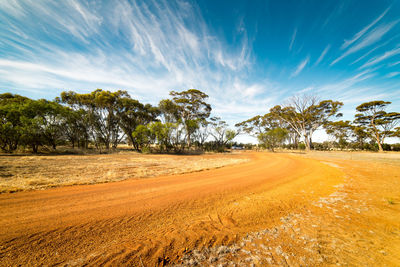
221 133
191 110
169 110
12 108
101 108
341 130
162 134
143 137
273 138
75 129
32 123
203 132
377 122
396 132
255 126
131 113
52 121
304 114
361 136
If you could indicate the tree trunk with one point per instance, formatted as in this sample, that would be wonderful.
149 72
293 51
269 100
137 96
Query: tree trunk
307 141
380 147
378 140
35 148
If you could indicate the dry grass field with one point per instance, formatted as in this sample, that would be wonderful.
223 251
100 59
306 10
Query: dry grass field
18 173
279 209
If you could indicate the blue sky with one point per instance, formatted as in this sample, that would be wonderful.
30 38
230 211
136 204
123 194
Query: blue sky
247 55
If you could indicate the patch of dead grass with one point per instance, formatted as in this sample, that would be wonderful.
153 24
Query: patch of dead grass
18 173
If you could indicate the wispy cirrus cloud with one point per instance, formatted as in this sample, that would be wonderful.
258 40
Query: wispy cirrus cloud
300 67
152 47
393 74
321 57
292 39
359 34
380 58
370 38
147 48
394 64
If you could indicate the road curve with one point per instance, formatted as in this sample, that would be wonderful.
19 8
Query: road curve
153 221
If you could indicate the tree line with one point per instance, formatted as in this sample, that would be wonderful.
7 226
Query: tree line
285 126
104 119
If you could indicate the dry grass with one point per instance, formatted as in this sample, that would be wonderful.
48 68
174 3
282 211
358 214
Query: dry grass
18 173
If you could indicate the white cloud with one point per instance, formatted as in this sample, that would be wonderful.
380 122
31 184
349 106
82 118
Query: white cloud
392 74
293 39
364 30
321 57
378 59
145 50
300 67
394 64
372 37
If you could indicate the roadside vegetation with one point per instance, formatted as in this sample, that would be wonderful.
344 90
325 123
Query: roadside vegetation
292 125
103 120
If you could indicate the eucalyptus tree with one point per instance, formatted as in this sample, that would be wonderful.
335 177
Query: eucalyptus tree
203 132
361 135
12 108
52 121
221 132
76 131
304 114
341 130
273 138
101 108
192 109
131 114
268 129
377 122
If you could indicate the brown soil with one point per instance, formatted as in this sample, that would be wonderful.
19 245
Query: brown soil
277 209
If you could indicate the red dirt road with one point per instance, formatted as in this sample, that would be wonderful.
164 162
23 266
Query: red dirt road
154 221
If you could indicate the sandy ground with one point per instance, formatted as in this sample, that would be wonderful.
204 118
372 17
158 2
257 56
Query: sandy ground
19 173
277 209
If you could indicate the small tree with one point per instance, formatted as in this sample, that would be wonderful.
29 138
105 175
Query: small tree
341 130
12 108
273 138
221 133
377 122
143 137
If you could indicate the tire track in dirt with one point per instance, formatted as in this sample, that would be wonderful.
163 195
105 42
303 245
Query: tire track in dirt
157 220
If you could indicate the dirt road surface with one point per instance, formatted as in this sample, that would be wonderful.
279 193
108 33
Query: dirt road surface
166 220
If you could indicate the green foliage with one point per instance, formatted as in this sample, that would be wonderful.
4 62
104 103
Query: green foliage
273 138
191 109
143 136
12 108
103 119
301 146
304 115
341 130
221 133
376 121
162 134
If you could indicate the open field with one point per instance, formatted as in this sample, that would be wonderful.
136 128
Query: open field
278 209
19 173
